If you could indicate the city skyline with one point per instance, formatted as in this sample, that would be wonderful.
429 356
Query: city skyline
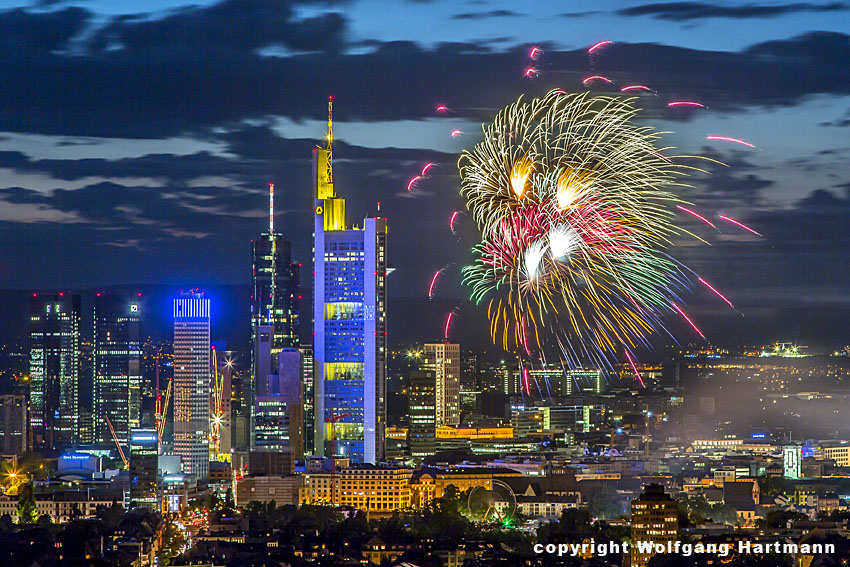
140 199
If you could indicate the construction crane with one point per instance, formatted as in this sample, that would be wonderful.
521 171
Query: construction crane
162 410
117 444
217 413
333 419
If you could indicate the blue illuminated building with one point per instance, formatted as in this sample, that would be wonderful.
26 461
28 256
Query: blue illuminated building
349 323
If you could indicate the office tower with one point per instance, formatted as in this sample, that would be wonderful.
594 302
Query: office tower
54 369
444 359
144 462
307 395
279 412
579 381
191 396
13 424
792 461
276 293
654 519
349 323
117 366
85 394
422 412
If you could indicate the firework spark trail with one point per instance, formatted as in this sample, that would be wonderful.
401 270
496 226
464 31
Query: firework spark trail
433 283
452 221
448 323
728 139
634 368
598 46
535 51
697 215
413 182
425 169
442 109
688 319
587 80
456 133
630 88
572 203
738 223
531 72
691 103
720 295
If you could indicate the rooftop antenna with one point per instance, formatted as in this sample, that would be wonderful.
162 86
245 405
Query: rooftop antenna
329 139
271 208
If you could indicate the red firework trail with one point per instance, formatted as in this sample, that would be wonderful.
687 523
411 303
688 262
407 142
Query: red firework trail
599 45
728 139
634 368
697 215
448 324
425 169
452 221
720 295
526 381
630 88
688 319
433 283
456 133
596 78
738 223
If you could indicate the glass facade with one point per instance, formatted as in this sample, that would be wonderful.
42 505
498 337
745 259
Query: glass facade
54 369
117 366
349 322
192 378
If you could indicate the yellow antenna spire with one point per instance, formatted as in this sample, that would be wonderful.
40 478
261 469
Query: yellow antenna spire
330 136
330 139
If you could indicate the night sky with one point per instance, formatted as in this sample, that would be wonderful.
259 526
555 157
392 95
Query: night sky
136 147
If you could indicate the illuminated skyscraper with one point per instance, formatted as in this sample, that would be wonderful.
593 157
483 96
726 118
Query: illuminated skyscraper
55 369
422 413
192 382
444 360
654 519
583 380
349 322
307 397
276 292
13 424
117 366
144 462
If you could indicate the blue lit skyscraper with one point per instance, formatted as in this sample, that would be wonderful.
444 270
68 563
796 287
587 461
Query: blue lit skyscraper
192 382
349 323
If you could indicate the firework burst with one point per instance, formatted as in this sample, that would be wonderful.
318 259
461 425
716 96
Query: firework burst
575 209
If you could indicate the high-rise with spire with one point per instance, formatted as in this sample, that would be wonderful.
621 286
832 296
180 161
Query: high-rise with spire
349 321
274 302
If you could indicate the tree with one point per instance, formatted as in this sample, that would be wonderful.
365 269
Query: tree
110 515
228 499
173 541
27 509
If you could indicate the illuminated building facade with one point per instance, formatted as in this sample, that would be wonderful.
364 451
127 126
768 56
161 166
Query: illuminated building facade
792 461
117 366
583 380
225 434
307 397
279 412
379 490
144 462
655 519
54 369
191 397
349 324
422 413
444 360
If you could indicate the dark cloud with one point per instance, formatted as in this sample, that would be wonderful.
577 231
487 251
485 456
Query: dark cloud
486 15
688 11
201 67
